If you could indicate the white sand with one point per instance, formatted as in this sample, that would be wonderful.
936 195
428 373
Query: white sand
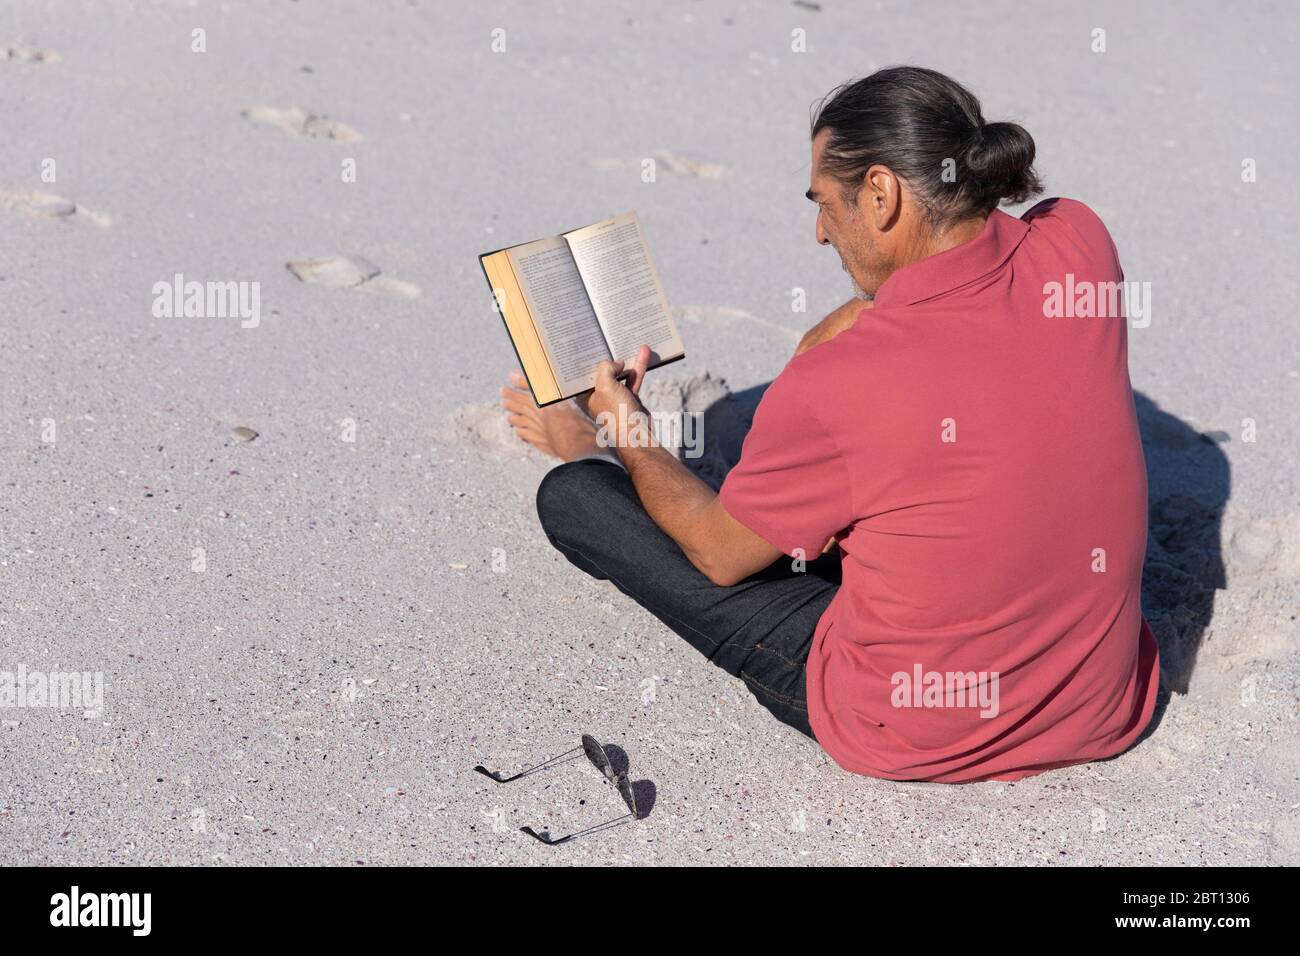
378 615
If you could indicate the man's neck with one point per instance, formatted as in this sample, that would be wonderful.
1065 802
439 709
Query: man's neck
954 235
923 242
930 242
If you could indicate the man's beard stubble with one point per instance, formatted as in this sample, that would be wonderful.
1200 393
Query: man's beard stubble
858 291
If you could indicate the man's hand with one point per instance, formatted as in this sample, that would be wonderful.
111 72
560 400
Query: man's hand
617 401
835 323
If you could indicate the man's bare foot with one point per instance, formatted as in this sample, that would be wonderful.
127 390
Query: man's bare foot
560 430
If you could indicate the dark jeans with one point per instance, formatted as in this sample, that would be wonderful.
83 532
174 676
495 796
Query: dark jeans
759 630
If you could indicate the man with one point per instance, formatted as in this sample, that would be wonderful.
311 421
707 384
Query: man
974 461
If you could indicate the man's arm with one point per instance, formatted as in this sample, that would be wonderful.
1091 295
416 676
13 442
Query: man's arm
691 513
683 506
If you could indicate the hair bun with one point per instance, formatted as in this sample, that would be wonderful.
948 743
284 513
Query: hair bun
930 130
1000 159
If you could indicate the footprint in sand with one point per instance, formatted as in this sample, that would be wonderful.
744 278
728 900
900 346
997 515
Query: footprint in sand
1264 547
682 166
481 425
1227 608
351 272
299 122
49 206
672 163
1284 848
29 54
1278 768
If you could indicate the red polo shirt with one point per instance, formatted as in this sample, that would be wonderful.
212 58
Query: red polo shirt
981 463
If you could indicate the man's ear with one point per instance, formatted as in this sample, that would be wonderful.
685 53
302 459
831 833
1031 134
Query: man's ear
880 197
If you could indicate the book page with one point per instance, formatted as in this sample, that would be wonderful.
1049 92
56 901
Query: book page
561 310
629 300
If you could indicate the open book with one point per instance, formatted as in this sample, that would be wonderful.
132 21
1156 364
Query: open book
574 300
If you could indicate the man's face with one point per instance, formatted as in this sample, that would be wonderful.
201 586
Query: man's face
842 225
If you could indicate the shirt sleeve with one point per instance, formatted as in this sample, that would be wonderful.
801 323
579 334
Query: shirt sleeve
791 486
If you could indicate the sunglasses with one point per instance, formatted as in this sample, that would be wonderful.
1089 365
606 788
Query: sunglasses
600 760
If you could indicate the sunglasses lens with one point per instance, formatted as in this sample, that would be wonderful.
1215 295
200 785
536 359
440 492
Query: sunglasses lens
625 791
596 754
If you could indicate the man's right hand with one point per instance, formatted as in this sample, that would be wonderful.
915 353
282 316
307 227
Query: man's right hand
835 323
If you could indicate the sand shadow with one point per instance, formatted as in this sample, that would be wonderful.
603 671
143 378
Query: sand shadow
1188 483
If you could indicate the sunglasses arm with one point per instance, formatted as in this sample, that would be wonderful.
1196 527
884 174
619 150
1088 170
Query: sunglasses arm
608 824
496 776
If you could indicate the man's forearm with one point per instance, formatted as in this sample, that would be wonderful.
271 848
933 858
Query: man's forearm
673 497
680 504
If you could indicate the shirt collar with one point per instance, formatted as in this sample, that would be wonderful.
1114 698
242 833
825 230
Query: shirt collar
955 267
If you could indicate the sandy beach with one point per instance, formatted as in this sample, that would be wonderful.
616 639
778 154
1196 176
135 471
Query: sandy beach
300 543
